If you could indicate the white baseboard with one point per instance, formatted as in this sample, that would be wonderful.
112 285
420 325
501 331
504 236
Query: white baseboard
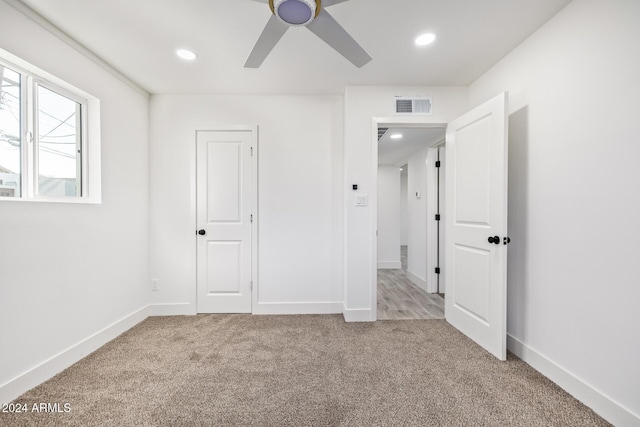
61 361
177 309
389 265
358 315
298 308
418 281
601 404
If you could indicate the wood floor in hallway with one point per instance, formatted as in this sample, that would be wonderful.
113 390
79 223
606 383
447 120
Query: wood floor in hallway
399 299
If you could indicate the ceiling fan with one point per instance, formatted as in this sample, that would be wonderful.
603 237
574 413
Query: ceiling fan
310 14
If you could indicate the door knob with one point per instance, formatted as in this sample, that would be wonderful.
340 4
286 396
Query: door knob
202 232
494 239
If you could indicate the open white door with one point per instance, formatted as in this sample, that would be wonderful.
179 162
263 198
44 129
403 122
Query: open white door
224 218
476 225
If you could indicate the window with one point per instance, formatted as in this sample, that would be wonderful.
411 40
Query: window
59 140
46 150
10 141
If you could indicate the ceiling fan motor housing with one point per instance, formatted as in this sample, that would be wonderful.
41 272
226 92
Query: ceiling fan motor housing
296 12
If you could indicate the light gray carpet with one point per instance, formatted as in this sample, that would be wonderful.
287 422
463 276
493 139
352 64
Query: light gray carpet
243 370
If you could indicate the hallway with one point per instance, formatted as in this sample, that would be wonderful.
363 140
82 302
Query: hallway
399 299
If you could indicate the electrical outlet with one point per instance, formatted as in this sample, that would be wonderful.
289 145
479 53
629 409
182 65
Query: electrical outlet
154 284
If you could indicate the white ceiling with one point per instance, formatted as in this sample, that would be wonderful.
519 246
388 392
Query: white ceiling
397 151
139 38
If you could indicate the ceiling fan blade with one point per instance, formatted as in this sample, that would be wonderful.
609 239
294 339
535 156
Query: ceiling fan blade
267 1
325 3
328 29
271 34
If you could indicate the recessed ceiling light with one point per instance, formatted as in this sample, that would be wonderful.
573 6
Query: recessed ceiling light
396 136
186 54
425 39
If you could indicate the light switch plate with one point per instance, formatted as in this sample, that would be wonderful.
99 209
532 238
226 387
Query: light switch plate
361 200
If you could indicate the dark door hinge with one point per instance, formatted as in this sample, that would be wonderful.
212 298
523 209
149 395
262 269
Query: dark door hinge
437 270
437 217
438 163
251 217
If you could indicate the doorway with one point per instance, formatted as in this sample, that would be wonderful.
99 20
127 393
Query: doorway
226 186
475 223
408 230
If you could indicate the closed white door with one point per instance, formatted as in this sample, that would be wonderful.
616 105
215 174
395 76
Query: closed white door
224 220
476 225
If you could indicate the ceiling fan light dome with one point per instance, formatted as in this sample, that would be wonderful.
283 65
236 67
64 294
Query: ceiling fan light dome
295 12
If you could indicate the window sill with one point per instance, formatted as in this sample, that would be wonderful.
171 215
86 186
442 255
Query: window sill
70 200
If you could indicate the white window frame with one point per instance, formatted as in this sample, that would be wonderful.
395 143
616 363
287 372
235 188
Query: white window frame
34 144
31 78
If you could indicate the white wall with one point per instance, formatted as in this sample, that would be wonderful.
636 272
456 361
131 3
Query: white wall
389 217
300 212
574 200
404 210
67 271
417 207
362 104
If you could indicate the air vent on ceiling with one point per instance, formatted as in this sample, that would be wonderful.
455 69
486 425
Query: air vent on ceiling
381 132
413 105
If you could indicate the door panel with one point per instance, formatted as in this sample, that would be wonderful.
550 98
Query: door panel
224 179
476 189
224 264
472 282
224 214
473 173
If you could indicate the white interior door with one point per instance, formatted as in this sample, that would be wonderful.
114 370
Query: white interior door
476 225
224 220
442 235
